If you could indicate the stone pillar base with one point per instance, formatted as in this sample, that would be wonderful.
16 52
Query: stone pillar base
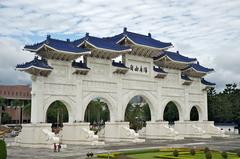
211 129
79 134
190 129
32 135
120 131
160 130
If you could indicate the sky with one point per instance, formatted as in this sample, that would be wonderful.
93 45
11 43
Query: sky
206 29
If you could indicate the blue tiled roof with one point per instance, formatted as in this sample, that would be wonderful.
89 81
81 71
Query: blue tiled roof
185 77
79 65
60 45
158 69
140 39
199 68
175 57
35 63
101 43
118 64
203 81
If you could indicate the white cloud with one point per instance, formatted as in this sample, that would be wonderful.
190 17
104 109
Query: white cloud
201 29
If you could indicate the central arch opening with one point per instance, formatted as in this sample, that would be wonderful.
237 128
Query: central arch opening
57 114
171 113
137 113
97 113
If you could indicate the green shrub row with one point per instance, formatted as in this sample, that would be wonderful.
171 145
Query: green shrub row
139 151
170 157
104 155
115 154
172 149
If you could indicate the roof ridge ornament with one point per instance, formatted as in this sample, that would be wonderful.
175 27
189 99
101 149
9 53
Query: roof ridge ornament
48 37
149 35
87 36
125 29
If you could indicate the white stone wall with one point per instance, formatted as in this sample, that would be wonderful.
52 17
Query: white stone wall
76 91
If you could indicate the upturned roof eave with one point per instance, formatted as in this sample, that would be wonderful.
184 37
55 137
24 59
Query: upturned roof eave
182 62
36 67
57 50
197 71
137 44
100 48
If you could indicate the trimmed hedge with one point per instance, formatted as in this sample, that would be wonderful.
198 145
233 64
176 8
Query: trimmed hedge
115 154
104 155
224 154
171 157
175 153
208 155
172 149
192 152
139 151
3 150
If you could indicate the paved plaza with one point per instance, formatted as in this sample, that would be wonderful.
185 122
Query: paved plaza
79 152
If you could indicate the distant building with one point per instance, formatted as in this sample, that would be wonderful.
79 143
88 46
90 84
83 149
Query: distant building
228 128
16 92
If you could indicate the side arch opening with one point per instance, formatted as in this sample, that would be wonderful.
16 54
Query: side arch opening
171 113
194 114
57 114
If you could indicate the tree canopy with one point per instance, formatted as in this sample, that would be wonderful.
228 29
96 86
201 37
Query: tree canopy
137 113
224 106
171 113
97 112
57 112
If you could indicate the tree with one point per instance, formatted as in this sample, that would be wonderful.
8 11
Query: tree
2 104
97 111
6 118
171 112
57 112
137 113
225 106
27 109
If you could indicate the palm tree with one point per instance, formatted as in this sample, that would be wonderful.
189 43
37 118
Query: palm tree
27 109
2 104
97 111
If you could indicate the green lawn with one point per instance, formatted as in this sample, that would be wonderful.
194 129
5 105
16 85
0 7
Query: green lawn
200 155
184 153
148 155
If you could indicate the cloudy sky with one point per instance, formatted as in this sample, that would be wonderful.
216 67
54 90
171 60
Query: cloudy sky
206 29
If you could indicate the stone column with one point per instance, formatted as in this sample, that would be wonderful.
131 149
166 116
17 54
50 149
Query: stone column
37 114
79 115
